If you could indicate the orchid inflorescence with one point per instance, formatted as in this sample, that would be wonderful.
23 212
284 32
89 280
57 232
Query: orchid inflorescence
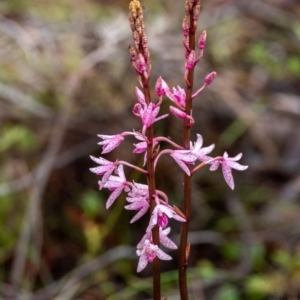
113 176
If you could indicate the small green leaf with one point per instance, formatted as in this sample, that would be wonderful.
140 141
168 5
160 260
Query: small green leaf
91 203
227 292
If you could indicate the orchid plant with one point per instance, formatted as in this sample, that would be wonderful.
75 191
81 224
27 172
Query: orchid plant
190 157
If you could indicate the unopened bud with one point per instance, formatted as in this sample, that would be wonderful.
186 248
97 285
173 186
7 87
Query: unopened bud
210 78
134 6
185 26
147 56
141 64
177 112
133 53
187 8
131 22
139 94
190 61
140 13
182 115
196 12
136 38
136 109
138 26
144 40
202 40
161 87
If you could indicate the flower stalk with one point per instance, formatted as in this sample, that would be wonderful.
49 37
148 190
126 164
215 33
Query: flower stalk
183 247
144 197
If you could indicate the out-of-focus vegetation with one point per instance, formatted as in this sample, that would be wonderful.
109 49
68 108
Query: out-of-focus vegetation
65 76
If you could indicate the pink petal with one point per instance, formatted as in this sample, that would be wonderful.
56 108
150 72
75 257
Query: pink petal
147 236
167 242
139 94
182 165
100 160
236 166
139 214
134 206
177 217
99 170
114 195
228 175
162 255
142 263
237 157
214 166
161 117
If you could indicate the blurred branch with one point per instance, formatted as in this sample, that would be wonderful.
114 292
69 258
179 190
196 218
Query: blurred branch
223 87
68 281
29 104
33 216
67 157
16 32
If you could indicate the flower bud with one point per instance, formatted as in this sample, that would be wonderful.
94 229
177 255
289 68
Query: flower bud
136 38
190 61
196 12
210 78
132 53
185 26
138 26
136 109
161 87
202 40
141 64
178 113
139 94
179 96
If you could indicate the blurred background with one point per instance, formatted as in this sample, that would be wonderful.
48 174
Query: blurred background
65 76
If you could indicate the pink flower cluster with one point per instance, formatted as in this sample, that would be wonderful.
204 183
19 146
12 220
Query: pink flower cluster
189 160
114 179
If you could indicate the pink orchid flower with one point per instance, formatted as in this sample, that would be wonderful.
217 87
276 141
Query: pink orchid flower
160 216
148 253
139 199
227 163
186 157
110 142
198 151
178 97
164 240
106 169
116 184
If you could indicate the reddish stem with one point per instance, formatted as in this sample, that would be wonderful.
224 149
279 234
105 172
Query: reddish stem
184 246
151 184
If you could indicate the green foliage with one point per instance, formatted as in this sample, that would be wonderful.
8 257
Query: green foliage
227 292
232 250
17 137
260 55
293 65
92 203
225 224
206 269
13 6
